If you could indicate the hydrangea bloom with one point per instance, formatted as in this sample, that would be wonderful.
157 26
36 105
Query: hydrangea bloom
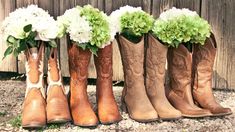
177 26
115 17
45 26
77 26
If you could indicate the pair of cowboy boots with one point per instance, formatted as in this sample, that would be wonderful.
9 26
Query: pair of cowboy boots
190 87
143 96
81 109
41 106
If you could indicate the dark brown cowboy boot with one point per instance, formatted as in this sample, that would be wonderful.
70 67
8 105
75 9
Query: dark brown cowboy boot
155 78
81 110
134 96
57 104
34 106
179 91
107 106
203 61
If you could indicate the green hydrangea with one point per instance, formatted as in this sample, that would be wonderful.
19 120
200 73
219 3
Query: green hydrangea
98 22
187 29
135 24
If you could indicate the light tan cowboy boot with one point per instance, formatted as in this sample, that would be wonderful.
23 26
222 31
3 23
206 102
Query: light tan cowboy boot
81 110
203 61
57 104
107 107
155 78
134 96
179 91
34 106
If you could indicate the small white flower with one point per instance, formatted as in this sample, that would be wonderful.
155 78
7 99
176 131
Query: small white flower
45 26
77 27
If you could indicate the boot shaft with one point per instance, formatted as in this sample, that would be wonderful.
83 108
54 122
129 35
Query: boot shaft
155 65
34 69
78 62
203 61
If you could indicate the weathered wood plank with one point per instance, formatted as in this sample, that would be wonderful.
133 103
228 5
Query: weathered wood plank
159 6
190 4
21 57
220 15
9 63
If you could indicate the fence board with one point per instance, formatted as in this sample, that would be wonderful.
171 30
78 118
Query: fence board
220 15
9 63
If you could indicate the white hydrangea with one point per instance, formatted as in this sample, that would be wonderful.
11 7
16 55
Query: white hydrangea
45 26
77 27
115 17
175 13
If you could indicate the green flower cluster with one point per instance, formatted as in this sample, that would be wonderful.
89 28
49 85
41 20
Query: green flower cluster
135 24
99 23
190 29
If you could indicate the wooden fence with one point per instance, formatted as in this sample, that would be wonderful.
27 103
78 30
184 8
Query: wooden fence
219 13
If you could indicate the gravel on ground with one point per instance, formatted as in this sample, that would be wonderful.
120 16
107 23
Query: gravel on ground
12 95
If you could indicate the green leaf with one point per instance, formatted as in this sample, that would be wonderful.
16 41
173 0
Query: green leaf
11 39
7 52
15 52
22 47
83 46
28 28
93 49
52 43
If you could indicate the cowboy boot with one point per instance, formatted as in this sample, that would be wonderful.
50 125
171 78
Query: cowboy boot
57 104
155 78
134 97
81 110
179 90
34 106
107 107
203 61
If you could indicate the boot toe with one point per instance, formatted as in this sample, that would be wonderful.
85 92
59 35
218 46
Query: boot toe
197 113
145 116
221 111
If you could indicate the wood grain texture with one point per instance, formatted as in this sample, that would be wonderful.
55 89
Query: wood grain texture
158 6
190 4
220 15
9 64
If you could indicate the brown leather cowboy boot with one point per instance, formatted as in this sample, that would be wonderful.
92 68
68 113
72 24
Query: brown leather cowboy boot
134 96
179 92
34 106
203 61
155 78
82 112
107 107
57 104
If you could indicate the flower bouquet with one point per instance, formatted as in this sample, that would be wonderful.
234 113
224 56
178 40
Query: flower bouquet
26 27
131 22
88 27
181 26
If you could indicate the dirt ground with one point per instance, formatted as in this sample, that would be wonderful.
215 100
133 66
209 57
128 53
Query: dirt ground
12 95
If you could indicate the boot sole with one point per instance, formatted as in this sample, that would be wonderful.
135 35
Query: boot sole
58 121
92 126
33 126
169 119
195 116
222 114
110 122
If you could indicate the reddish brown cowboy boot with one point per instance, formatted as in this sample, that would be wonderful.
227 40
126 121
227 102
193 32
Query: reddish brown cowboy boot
107 107
179 92
134 96
203 61
34 106
57 104
155 78
81 110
